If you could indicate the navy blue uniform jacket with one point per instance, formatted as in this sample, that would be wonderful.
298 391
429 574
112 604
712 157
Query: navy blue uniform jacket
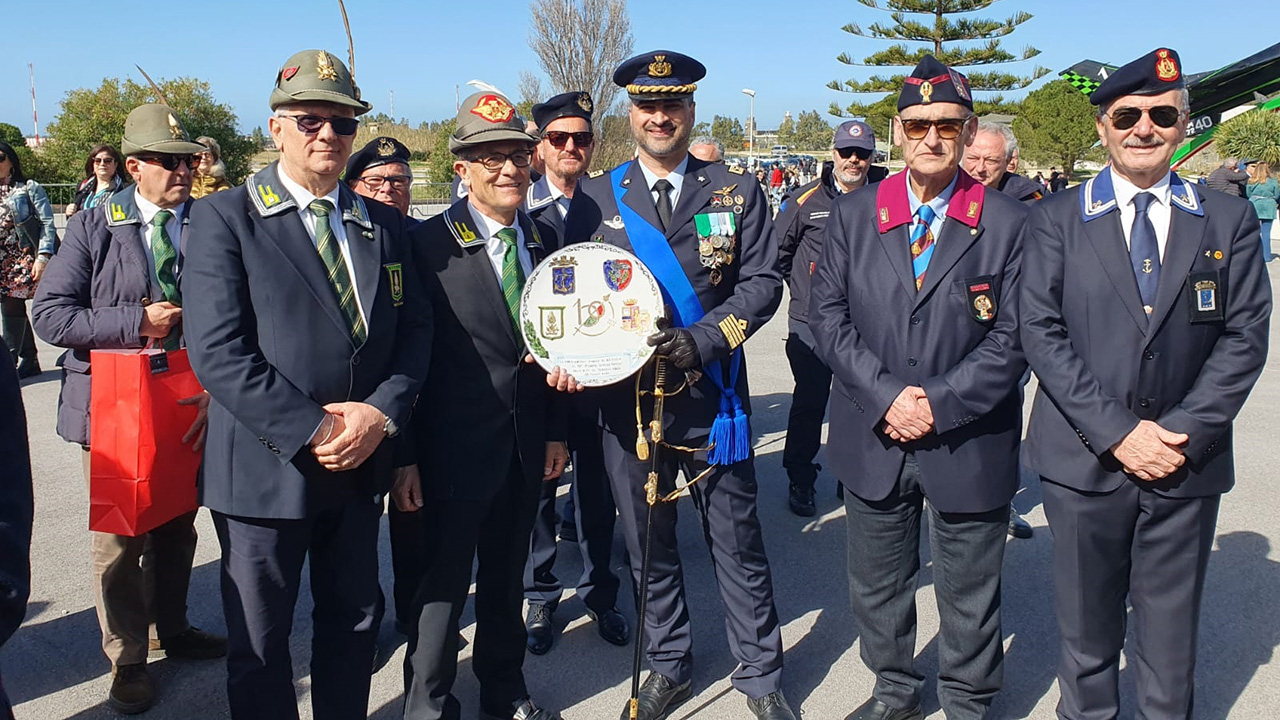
746 297
1103 367
268 341
879 335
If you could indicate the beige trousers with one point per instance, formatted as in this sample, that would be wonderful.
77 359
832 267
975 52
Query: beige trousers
140 585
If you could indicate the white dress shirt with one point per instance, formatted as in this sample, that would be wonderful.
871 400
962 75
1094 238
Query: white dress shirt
495 247
676 178
939 205
558 198
1158 211
304 198
173 227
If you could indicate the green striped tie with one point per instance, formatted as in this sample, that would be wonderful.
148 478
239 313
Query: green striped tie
339 277
166 259
512 275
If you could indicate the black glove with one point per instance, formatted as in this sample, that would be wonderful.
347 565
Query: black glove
678 346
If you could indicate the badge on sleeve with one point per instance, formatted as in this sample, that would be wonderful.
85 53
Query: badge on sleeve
395 279
982 297
1204 293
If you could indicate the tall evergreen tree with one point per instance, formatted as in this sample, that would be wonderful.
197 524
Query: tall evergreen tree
962 42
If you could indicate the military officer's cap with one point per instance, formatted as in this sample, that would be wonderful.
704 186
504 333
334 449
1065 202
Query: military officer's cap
932 82
1156 72
854 134
486 117
378 151
317 76
659 75
156 129
570 104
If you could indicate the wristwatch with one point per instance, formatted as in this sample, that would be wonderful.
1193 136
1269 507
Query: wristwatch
389 426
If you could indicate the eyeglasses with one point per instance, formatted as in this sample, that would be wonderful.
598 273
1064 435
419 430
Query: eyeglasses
559 139
1165 116
311 124
169 162
862 153
948 128
104 161
397 182
497 161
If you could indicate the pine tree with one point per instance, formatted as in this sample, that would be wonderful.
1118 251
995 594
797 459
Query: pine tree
961 42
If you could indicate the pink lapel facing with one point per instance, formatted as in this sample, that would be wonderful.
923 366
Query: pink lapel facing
893 208
966 200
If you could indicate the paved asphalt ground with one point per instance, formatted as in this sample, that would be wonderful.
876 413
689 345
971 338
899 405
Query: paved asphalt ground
54 668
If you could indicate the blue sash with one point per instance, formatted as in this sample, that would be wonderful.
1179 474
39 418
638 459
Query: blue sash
730 432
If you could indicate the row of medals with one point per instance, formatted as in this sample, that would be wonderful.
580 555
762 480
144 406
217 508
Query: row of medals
717 251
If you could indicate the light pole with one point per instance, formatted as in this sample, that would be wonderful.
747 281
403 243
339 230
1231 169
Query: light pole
751 128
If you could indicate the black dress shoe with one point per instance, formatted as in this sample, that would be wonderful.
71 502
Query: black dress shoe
541 632
1018 527
873 709
568 532
190 644
658 696
28 368
771 707
800 498
526 710
612 625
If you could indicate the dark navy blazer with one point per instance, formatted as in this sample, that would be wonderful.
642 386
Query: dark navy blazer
879 335
268 340
1103 366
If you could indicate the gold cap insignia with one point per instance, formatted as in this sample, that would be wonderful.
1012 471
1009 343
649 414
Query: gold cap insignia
926 92
1166 67
584 102
493 108
659 68
386 148
175 129
324 67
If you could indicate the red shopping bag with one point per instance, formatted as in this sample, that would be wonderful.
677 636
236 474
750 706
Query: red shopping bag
140 474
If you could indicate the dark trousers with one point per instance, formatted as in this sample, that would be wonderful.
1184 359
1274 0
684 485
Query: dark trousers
496 534
726 505
261 571
591 501
1152 550
884 566
16 328
808 405
408 560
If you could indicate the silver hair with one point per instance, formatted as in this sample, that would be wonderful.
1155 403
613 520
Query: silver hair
1004 131
708 140
1185 103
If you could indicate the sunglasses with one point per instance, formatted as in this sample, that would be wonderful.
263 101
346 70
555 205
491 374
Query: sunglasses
169 162
104 161
396 182
1165 116
948 128
559 139
311 124
862 153
497 161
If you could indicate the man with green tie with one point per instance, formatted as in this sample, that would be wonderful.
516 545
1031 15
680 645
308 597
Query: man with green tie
484 436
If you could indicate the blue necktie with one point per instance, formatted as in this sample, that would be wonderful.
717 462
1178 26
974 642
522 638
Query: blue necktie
922 243
1144 251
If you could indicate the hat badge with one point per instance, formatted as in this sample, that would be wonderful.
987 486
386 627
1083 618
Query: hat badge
289 72
324 67
659 68
494 109
1166 66
175 129
926 92
386 148
959 82
855 131
584 102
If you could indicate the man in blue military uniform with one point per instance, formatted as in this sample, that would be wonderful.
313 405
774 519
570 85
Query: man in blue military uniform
1146 310
915 309
306 324
704 231
566 145
801 224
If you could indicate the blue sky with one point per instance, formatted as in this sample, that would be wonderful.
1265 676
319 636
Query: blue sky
784 49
